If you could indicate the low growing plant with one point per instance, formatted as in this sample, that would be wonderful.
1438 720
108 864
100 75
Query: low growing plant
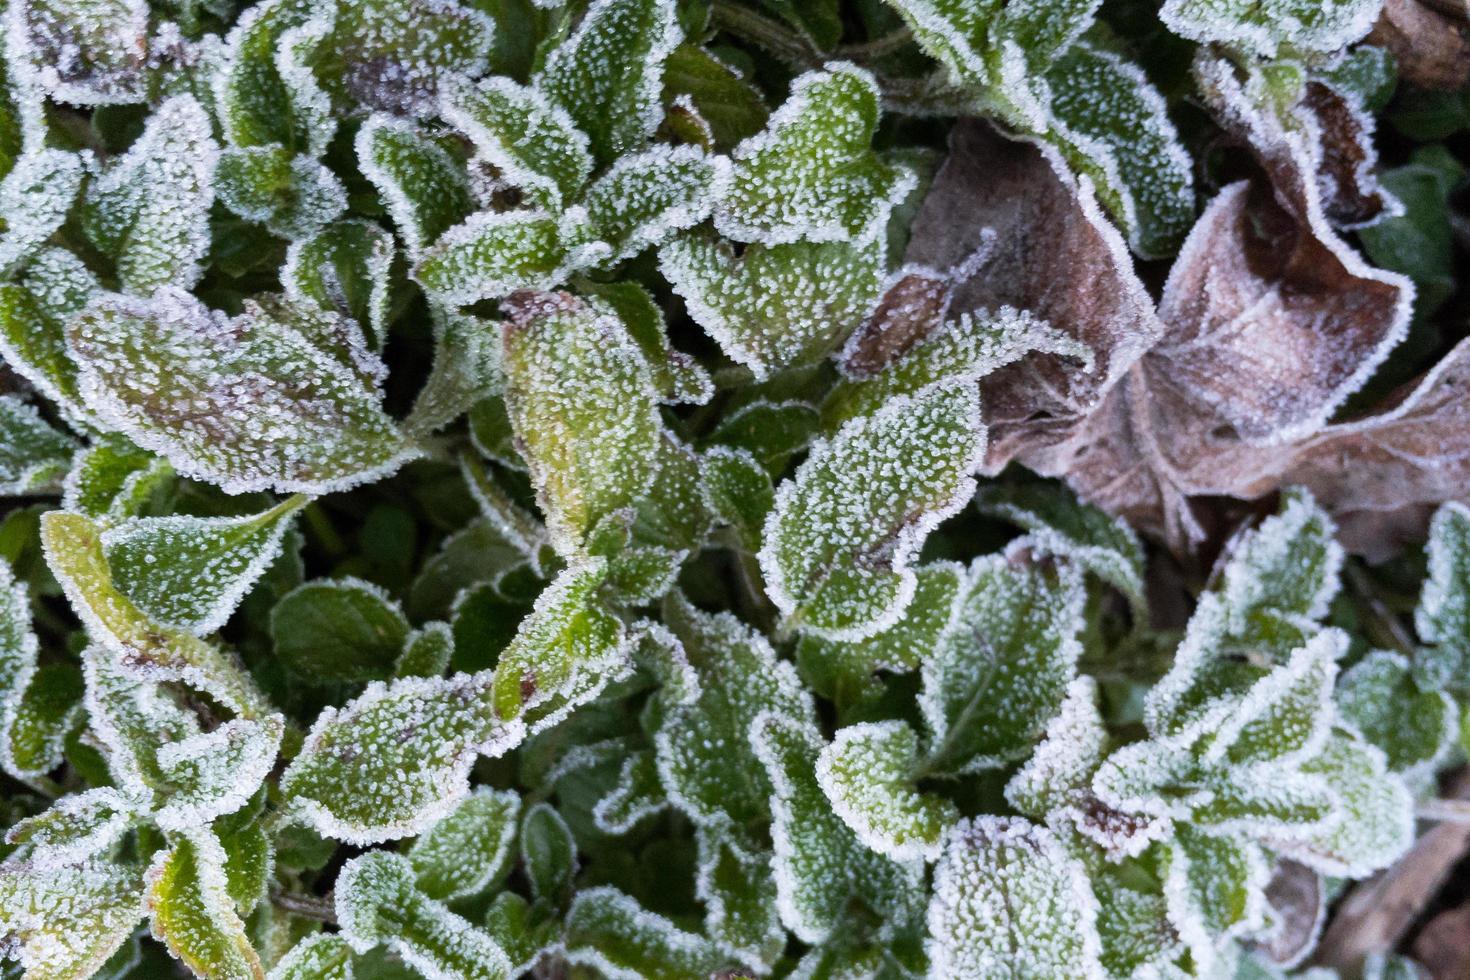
504 487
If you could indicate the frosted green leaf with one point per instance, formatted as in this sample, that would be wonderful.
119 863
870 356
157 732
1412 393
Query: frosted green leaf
321 956
378 904
64 923
266 93
35 197
216 772
112 479
250 858
614 935
131 719
1374 814
1443 615
466 370
1288 566
636 795
530 141
1285 715
1043 29
548 853
399 55
191 572
149 209
680 378
517 526
426 652
338 630
954 32
394 760
74 552
76 827
223 400
812 173
1058 776
820 865
1133 923
1117 130
845 529
1391 966
468 847
1001 670
191 910
425 190
774 306
608 74
725 100
1057 523
33 456
964 349
1215 886
585 411
1010 902
292 196
495 253
33 323
79 51
868 775
1263 27
739 894
344 268
645 198
738 491
771 431
524 934
705 759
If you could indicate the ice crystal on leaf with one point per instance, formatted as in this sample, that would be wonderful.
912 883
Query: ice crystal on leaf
462 853
66 922
191 911
1264 28
80 51
33 456
613 934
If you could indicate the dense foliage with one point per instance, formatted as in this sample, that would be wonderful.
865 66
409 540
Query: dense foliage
596 488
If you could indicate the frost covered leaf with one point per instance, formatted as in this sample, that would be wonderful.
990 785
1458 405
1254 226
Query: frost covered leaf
724 99
131 719
291 195
398 55
1009 901
266 93
1215 886
548 853
1263 27
321 956
466 370
35 196
468 848
1059 524
64 923
611 933
379 904
1001 670
585 410
425 190
1381 699
338 630
216 772
1443 614
772 432
149 210
680 378
868 775
821 867
812 174
33 323
74 552
76 827
254 401
344 268
739 894
531 141
645 198
191 572
84 53
33 456
738 491
774 306
192 912
1059 773
394 760
1287 567
839 542
637 795
1286 714
608 75
495 253
705 759
112 479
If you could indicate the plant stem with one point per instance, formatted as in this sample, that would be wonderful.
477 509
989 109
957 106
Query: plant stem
768 33
307 906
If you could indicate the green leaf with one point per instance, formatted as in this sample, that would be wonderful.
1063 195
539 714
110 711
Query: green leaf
739 894
524 934
680 378
266 93
1009 901
132 719
585 410
191 572
548 853
1287 567
76 827
81 52
112 479
774 306
1287 713
33 456
155 368
956 34
1443 614
726 101
844 531
400 55
637 795
322 956
528 139
611 933
40 716
425 190
1059 773
192 912
812 173
1042 29
344 268
149 209
608 74
645 198
1216 886
468 847
821 867
773 432
64 923
426 652
738 491
1264 27
868 775
33 323
215 772
35 197
291 195
1418 243
495 253
378 903
338 630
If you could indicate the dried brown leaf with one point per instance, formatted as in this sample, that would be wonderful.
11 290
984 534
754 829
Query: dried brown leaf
1430 46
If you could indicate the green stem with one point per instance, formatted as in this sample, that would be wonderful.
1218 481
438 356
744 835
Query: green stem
770 34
